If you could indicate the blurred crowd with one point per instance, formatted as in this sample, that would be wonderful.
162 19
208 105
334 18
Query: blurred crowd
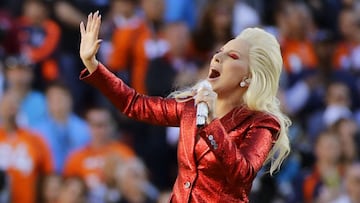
61 141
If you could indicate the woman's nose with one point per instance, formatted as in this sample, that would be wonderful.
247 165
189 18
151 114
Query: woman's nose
217 57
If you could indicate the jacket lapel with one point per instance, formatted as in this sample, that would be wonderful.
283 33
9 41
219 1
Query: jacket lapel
236 117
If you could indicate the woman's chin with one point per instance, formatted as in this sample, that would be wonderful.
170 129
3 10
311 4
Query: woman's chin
214 85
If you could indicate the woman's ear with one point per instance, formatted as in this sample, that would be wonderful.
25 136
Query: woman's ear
245 82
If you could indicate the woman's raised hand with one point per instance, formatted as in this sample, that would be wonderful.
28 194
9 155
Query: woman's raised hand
90 43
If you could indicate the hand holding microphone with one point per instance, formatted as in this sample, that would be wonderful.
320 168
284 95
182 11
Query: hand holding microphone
204 99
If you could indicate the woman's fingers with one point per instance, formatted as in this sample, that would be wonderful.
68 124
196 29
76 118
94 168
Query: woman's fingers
97 25
90 43
82 29
207 96
88 24
93 21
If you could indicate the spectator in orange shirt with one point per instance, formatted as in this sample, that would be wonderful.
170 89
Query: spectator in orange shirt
295 24
39 38
120 28
347 51
88 162
139 44
23 155
324 181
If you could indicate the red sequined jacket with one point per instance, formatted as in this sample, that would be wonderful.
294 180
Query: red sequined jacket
219 166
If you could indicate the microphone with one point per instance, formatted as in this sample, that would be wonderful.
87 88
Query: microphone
202 109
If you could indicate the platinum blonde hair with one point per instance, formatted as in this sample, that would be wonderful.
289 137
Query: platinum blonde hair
265 65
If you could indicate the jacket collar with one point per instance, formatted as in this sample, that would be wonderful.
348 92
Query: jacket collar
235 117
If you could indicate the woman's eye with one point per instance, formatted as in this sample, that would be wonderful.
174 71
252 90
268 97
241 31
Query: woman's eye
234 56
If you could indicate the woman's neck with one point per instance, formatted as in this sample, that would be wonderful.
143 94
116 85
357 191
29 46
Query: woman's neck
225 103
223 106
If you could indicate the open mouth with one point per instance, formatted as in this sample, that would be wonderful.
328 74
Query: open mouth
214 74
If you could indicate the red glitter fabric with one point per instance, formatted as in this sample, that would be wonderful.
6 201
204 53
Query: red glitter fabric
216 163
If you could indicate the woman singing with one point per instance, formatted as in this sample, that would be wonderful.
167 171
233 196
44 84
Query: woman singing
245 127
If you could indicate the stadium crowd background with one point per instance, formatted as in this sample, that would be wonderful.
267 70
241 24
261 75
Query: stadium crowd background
61 141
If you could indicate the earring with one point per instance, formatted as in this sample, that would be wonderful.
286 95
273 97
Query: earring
242 84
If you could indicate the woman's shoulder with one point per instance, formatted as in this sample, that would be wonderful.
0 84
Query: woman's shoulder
266 120
261 115
257 118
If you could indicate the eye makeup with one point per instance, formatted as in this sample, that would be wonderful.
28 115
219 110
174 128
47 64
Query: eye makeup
233 55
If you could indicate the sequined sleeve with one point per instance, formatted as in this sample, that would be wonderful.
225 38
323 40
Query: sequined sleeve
153 110
242 152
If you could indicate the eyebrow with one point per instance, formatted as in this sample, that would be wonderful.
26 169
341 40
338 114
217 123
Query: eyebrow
232 50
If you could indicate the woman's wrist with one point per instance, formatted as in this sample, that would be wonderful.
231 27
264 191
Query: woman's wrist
91 65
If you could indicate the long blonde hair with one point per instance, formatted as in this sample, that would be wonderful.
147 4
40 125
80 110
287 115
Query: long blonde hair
265 65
